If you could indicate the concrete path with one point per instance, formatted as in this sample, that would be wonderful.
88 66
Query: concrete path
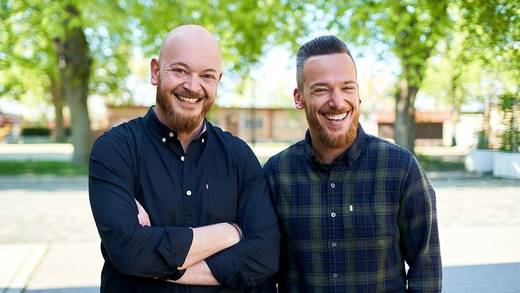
48 241
43 151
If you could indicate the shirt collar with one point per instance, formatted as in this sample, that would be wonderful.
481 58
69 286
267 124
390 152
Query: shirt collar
348 157
162 131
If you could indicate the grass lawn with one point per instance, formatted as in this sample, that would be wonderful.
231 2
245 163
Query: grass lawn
431 163
58 168
64 168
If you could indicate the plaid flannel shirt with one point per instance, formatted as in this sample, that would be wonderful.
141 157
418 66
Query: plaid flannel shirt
351 226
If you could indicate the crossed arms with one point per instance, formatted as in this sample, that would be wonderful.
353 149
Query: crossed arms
207 241
211 254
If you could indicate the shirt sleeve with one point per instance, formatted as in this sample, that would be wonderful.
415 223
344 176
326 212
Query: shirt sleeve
255 259
419 232
132 249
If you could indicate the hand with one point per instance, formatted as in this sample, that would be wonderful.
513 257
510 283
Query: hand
142 215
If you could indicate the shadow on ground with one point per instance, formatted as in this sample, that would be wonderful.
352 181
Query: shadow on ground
492 278
55 290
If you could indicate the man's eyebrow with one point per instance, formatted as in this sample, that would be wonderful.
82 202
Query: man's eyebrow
320 84
347 82
180 63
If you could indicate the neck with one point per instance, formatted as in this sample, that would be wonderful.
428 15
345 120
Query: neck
327 154
184 137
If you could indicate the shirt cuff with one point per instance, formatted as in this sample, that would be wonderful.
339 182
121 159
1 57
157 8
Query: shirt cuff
175 245
220 266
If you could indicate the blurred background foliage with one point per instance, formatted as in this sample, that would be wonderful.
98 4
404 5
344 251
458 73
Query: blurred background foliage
63 52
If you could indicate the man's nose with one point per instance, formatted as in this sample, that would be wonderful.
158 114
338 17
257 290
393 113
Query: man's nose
193 84
337 99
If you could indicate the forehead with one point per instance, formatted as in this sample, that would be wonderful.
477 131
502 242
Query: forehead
331 68
199 54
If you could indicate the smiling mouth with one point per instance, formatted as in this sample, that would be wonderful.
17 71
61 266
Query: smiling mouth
336 117
191 100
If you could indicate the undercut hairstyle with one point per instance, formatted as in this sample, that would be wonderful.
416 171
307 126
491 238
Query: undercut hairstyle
323 45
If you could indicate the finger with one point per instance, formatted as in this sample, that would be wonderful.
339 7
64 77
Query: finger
147 219
140 219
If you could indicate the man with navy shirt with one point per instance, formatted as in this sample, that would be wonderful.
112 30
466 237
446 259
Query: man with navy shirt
205 223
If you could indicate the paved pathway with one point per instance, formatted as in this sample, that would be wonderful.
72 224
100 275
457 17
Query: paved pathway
48 242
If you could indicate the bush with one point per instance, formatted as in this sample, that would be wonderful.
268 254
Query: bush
36 131
511 135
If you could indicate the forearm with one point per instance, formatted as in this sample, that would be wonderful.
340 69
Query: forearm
251 262
208 240
198 274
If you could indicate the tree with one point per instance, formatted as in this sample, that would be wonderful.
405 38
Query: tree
21 75
64 41
244 28
478 58
408 29
493 31
91 40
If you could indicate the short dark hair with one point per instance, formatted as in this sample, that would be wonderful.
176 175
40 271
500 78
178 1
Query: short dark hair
322 45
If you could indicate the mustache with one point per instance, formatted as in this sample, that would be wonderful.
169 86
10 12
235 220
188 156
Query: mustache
336 111
188 94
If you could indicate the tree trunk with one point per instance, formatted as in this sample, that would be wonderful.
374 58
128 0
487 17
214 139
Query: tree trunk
75 64
58 102
405 114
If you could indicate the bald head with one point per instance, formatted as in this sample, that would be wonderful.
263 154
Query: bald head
186 74
192 39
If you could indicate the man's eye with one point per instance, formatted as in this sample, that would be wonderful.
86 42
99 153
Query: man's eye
209 76
179 70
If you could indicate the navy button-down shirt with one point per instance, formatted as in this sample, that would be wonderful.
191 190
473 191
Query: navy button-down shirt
350 226
218 179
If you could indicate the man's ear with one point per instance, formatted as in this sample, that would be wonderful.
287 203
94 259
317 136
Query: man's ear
298 99
154 71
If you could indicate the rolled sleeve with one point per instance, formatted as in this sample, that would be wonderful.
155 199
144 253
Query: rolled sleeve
254 260
175 245
132 249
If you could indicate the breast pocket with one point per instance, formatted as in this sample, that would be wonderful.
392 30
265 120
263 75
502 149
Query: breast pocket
220 199
373 221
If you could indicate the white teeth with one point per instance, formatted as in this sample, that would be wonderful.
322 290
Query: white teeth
189 100
336 117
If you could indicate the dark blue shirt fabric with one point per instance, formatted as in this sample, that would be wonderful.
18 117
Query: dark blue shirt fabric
217 180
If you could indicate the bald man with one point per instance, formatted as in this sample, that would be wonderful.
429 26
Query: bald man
205 221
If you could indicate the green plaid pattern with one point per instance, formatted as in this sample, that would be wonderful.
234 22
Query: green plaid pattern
350 226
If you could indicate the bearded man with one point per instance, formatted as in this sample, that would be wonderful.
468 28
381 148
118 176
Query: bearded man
353 208
180 205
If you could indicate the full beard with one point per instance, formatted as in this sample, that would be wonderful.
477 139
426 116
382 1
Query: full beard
176 120
329 141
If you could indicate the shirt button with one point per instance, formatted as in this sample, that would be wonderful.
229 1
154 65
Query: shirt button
203 140
334 275
163 139
332 185
333 244
182 158
170 134
333 214
188 193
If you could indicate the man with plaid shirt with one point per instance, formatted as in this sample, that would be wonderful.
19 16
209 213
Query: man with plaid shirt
353 208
